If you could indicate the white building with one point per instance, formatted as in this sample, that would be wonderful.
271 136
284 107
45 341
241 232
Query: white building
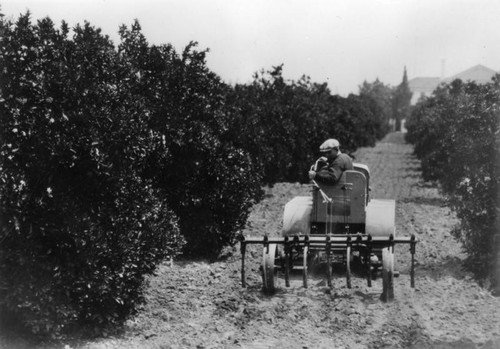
425 86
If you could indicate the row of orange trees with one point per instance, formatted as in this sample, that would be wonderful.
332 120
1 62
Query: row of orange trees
456 133
113 158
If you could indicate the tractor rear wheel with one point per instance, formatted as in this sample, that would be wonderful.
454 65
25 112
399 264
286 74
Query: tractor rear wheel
387 274
269 273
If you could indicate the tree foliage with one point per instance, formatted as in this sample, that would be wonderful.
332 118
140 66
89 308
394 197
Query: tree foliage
210 182
282 123
382 95
100 146
456 135
81 226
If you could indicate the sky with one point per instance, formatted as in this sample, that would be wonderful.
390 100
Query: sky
342 43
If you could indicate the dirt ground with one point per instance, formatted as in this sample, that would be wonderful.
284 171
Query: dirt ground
196 304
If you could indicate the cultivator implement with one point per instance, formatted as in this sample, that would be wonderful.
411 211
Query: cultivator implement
338 227
285 254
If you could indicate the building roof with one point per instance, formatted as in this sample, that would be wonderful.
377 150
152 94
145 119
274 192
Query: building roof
478 73
425 86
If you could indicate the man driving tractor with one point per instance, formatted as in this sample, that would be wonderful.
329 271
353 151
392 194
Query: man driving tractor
336 163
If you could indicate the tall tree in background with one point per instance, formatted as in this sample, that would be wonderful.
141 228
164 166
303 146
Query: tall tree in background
401 101
382 95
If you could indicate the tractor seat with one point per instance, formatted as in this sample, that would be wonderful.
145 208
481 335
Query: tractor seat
345 199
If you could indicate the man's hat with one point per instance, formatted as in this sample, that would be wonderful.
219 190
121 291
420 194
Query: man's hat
328 145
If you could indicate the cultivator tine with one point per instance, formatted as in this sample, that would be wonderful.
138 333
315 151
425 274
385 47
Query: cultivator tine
348 262
305 258
328 261
388 272
413 243
287 261
243 247
369 260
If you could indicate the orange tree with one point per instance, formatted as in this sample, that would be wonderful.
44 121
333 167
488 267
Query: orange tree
456 136
210 182
107 155
80 224
381 95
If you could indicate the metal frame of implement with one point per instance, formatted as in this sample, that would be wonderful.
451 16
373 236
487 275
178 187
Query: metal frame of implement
329 242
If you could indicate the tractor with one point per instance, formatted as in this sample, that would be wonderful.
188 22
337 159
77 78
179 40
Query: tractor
337 226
